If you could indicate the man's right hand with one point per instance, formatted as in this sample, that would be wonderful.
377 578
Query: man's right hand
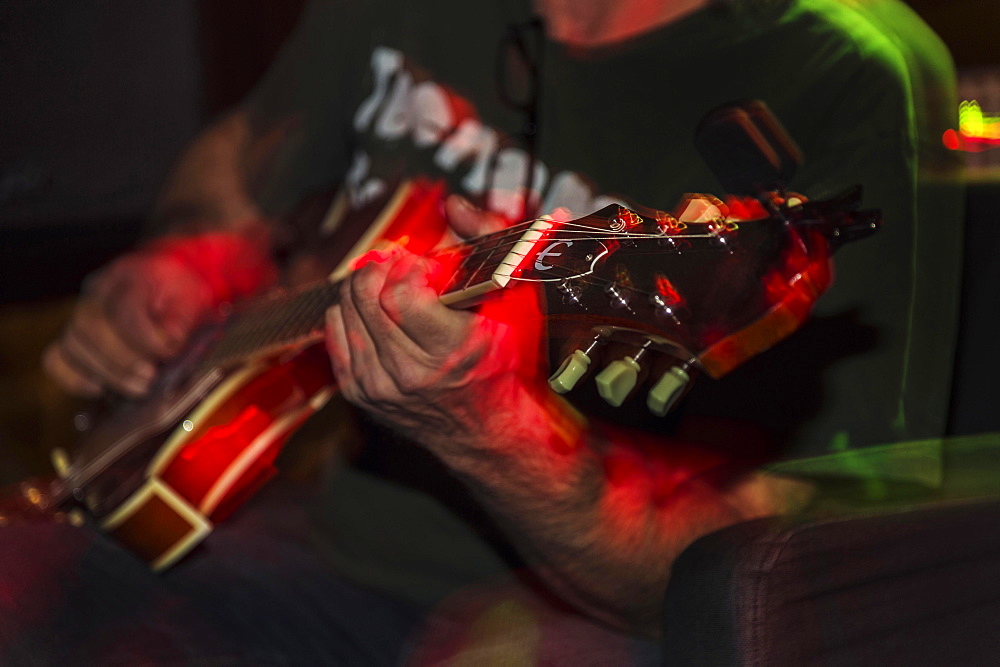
134 314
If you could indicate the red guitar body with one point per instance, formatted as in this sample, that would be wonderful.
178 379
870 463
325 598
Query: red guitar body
704 291
211 440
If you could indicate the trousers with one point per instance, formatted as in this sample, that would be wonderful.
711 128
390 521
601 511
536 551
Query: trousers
256 594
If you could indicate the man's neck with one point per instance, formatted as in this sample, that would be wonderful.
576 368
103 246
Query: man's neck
600 22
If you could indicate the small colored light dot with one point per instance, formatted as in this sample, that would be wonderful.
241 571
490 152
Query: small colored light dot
950 140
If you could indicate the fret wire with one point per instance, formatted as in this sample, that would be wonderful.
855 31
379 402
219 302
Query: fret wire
502 248
303 313
274 323
493 251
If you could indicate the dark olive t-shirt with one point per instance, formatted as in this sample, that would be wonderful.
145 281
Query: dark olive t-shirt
375 92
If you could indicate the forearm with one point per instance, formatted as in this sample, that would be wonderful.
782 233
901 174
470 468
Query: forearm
206 217
210 244
209 188
600 516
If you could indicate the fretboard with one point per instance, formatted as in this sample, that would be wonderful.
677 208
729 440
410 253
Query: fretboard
279 320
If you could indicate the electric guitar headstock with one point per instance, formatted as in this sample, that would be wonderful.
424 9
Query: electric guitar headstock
702 288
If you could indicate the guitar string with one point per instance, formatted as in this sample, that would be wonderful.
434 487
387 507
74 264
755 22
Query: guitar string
307 320
240 349
285 305
592 235
518 231
290 319
520 228
558 237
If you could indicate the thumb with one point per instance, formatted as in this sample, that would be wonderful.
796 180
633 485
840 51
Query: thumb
467 220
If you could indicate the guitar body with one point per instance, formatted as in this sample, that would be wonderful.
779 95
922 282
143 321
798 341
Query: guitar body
653 294
201 449
178 462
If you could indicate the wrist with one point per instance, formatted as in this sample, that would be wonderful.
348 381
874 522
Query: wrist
232 265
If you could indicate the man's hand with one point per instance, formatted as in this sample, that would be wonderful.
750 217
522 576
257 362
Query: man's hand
599 512
134 314
142 308
437 374
415 363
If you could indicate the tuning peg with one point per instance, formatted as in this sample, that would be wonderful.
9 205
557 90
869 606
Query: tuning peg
574 367
667 390
571 293
721 231
618 300
619 378
569 372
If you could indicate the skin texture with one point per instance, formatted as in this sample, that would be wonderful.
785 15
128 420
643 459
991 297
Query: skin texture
599 514
590 23
600 519
139 311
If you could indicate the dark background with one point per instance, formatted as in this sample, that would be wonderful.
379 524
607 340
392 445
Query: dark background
100 96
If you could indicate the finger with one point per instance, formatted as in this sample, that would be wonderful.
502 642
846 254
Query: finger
467 220
92 343
413 305
150 335
174 314
126 294
373 341
157 315
338 349
108 368
362 294
67 376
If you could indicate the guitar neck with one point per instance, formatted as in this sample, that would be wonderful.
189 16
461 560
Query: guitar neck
274 322
280 321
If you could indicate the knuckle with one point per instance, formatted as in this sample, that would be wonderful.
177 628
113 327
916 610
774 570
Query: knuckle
357 344
72 347
391 300
350 393
346 292
410 380
375 389
366 391
64 375
79 386
365 284
54 365
400 298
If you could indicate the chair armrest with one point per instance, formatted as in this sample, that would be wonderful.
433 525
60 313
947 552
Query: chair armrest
903 586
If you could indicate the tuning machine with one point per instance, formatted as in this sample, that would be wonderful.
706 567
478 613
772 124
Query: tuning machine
621 291
668 390
575 366
619 378
618 295
722 232
571 293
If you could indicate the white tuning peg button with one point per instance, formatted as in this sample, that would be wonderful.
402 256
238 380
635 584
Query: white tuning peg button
617 381
569 372
667 390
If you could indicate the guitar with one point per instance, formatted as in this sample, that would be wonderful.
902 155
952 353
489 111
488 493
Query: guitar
699 290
